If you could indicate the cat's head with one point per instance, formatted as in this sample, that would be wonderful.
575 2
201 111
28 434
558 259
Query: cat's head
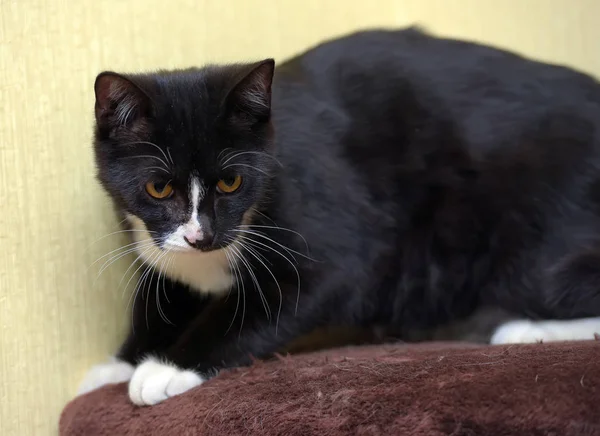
186 154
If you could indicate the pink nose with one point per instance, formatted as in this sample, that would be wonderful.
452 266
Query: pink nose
193 236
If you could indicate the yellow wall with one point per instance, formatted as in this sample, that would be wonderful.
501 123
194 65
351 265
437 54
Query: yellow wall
54 320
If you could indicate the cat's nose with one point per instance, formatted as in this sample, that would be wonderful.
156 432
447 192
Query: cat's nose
199 239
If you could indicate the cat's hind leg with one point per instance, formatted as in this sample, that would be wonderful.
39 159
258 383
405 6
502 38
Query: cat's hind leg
527 331
570 295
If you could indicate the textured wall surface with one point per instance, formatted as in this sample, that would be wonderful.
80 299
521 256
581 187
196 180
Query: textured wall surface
56 316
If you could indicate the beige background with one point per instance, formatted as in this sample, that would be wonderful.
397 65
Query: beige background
55 319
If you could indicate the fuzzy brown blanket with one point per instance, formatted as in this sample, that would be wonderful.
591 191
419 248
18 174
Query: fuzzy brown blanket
434 389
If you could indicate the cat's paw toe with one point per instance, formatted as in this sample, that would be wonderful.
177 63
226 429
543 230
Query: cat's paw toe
521 332
154 381
113 371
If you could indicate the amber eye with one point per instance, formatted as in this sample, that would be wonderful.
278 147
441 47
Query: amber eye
229 184
159 190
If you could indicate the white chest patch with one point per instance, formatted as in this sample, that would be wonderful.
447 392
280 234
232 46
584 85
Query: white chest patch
207 272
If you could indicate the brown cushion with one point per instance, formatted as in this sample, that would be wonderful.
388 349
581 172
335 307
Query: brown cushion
429 389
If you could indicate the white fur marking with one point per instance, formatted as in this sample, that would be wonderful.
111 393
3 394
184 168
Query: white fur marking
204 271
154 382
525 331
196 194
113 371
192 230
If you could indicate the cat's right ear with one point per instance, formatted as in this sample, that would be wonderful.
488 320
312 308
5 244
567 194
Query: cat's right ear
119 101
249 102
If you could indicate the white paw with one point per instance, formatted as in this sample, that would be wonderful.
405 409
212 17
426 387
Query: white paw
524 331
153 382
113 371
520 332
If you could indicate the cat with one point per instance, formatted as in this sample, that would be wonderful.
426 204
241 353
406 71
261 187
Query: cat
384 178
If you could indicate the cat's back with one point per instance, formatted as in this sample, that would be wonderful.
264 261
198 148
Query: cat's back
485 91
419 58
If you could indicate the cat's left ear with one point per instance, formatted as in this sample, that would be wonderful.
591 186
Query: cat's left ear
119 101
249 102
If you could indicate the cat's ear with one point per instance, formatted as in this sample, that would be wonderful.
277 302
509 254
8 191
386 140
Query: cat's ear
119 101
249 101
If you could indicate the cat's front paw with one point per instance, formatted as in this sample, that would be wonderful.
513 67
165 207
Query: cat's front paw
154 381
113 371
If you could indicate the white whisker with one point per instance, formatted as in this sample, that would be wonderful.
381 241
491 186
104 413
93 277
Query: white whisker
238 279
117 233
250 240
117 257
152 144
149 275
247 166
264 215
257 286
170 157
262 235
243 291
127 247
278 287
157 168
142 265
261 294
276 227
141 156
135 293
157 297
134 262
222 152
254 249
241 153
169 263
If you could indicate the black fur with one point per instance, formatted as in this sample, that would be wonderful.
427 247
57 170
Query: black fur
428 177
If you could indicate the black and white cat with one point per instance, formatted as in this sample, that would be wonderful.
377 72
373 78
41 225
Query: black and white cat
385 178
